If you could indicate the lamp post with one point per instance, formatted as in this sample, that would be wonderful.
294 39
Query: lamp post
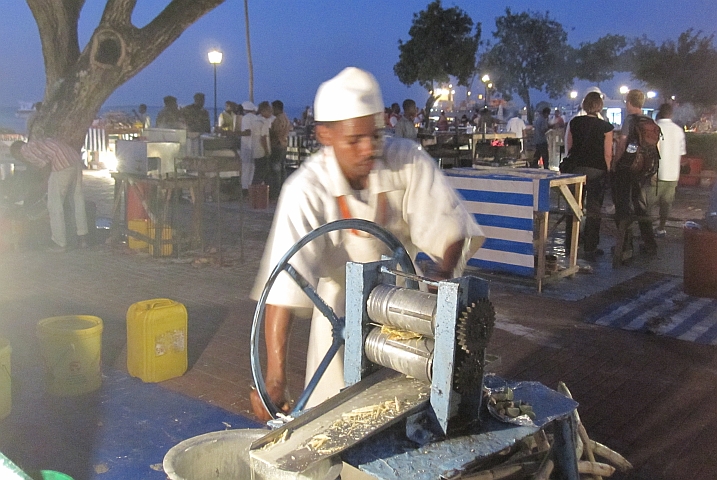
573 96
485 79
215 58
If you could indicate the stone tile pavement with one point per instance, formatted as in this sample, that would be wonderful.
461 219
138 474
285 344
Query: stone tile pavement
650 398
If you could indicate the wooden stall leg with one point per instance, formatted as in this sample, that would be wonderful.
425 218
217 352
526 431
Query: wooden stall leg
541 221
120 188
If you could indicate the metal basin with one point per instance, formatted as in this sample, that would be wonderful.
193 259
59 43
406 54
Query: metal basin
225 456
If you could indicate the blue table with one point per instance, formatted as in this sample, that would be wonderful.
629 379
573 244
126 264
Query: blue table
513 207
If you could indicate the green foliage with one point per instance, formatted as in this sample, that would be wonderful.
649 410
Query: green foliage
442 44
530 52
686 68
598 61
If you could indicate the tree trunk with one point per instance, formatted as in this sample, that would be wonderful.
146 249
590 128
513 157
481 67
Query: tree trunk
248 52
78 83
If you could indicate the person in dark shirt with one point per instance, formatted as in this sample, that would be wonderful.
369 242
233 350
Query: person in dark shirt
169 116
590 146
196 116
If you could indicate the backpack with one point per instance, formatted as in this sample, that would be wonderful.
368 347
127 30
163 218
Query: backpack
642 156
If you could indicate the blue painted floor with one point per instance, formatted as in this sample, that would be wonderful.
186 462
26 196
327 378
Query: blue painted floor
121 431
664 309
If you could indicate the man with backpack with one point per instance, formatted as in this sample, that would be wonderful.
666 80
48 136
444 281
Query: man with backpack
637 163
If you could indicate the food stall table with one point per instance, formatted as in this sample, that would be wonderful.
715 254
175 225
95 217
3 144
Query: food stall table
210 168
164 194
512 205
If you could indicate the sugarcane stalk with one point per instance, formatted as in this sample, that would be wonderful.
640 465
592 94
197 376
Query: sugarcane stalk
545 470
595 468
610 455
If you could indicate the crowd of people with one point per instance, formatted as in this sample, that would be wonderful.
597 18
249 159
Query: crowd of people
259 133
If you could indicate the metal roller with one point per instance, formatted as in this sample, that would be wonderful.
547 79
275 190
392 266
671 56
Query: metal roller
412 357
402 308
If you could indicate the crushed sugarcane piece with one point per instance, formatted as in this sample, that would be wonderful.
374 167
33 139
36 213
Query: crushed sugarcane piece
397 334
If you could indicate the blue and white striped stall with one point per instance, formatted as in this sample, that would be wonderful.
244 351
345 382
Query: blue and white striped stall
512 206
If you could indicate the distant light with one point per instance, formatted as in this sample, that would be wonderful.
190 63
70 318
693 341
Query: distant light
485 78
574 94
651 94
215 57
624 89
672 97
490 85
450 85
453 92
469 93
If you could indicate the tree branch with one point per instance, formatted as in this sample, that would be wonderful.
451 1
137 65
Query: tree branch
57 22
118 13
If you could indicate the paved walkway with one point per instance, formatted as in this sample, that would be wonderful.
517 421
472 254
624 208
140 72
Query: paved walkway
650 398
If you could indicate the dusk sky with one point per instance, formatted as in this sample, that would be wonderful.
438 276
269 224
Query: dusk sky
297 45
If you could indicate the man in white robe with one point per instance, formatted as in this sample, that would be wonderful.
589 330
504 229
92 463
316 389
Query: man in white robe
357 174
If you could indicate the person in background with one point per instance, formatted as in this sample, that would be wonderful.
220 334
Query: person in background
170 116
672 148
540 127
227 119
442 124
246 153
590 147
143 116
64 182
394 115
703 125
629 193
406 127
558 120
279 137
356 174
260 146
516 125
196 116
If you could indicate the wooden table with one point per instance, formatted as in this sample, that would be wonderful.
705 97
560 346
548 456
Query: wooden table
512 205
208 169
163 193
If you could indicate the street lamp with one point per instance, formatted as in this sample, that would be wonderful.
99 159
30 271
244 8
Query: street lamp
215 58
624 89
651 94
573 96
485 79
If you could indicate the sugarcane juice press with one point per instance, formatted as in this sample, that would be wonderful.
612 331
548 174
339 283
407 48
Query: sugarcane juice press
414 366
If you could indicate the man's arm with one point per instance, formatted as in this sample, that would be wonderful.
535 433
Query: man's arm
608 149
444 270
277 325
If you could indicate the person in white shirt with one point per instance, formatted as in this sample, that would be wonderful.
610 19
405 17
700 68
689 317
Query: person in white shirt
356 174
405 127
246 152
672 148
517 126
261 148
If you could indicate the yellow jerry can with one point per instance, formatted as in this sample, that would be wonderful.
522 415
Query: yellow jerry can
157 339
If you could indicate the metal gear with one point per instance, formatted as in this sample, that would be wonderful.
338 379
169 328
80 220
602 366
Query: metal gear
469 374
475 326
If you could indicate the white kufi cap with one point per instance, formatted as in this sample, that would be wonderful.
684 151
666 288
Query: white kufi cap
353 93
248 106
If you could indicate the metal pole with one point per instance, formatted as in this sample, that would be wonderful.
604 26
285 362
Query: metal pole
215 97
485 96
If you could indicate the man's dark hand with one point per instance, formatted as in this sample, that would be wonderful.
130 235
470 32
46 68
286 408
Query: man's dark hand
277 394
